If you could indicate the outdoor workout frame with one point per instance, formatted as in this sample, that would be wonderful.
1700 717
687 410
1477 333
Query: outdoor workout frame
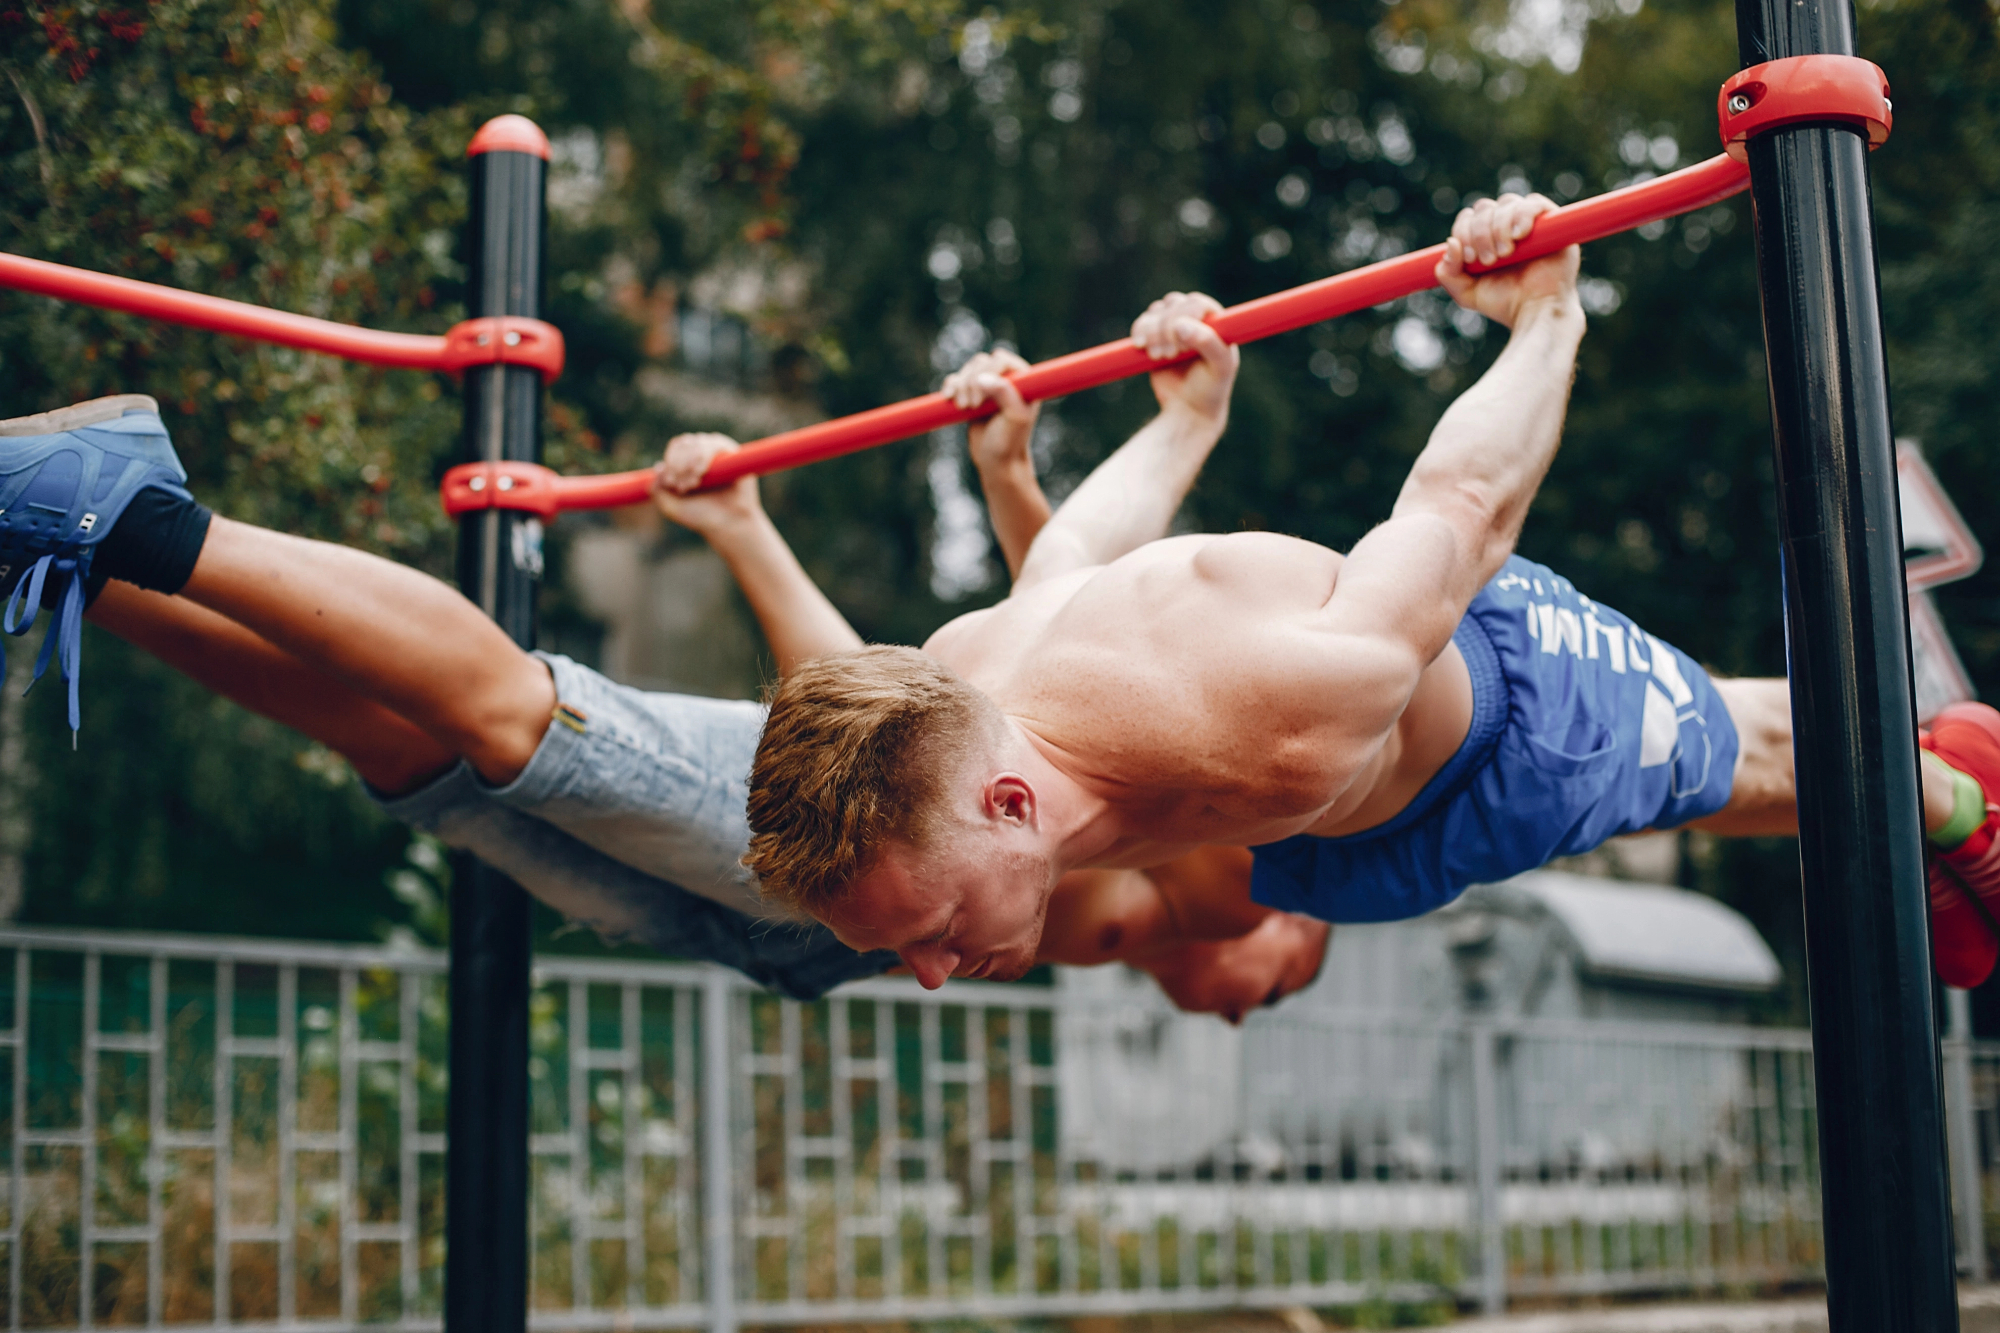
1887 1203
1797 123
499 566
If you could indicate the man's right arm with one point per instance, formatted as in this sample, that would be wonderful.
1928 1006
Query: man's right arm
1131 497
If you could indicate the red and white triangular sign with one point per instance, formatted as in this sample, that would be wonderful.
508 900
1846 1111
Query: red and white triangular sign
1939 675
1937 545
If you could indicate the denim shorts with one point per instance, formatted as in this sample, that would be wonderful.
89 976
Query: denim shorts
630 819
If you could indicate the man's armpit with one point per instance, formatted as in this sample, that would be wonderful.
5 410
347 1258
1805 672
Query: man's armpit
1354 685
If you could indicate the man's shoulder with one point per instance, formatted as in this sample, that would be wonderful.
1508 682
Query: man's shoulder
1261 555
1009 621
954 634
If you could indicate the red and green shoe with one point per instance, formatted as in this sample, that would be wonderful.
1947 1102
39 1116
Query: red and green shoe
1965 880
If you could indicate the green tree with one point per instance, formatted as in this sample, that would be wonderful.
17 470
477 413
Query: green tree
235 149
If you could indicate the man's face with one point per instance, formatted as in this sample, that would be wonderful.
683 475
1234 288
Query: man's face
972 906
1232 977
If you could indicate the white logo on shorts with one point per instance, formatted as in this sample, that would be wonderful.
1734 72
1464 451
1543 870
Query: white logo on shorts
1669 700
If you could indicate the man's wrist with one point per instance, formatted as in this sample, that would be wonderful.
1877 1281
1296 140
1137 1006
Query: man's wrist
1555 312
1012 470
739 529
1194 421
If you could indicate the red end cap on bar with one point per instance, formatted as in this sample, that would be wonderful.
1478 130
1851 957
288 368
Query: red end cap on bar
1800 89
509 134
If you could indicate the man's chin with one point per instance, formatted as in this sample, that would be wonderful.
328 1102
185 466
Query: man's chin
1012 969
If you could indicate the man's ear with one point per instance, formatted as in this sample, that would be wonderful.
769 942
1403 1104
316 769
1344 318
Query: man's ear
1010 800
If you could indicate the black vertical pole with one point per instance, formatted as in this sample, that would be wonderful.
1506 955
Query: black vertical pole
1887 1207
499 561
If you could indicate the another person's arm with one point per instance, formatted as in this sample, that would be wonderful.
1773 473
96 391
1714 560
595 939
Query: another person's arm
798 621
1131 497
1002 452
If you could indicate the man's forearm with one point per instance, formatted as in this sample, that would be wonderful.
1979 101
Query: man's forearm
1017 507
1490 451
1130 499
798 621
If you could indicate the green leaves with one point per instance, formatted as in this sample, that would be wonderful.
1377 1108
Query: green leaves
233 149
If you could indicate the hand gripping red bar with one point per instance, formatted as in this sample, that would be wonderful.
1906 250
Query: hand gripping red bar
1803 88
476 342
1682 191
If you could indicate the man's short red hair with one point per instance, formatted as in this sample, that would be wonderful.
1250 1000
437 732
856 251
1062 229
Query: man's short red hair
855 753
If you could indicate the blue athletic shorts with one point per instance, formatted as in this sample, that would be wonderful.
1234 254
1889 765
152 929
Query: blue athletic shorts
1584 727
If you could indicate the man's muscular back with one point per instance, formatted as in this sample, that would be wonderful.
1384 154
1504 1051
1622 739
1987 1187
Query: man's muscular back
1201 684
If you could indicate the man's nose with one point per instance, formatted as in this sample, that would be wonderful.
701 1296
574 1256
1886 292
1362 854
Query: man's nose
933 966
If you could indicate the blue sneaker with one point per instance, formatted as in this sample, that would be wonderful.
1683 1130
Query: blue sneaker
65 477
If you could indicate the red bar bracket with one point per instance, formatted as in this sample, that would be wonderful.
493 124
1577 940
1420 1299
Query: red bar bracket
507 340
1803 88
470 487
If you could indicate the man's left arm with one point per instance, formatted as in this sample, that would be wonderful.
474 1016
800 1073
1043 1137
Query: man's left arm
1131 497
1002 449
797 619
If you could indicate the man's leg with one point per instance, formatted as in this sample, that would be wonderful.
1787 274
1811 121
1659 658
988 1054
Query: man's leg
576 879
94 492
1763 798
1960 765
390 633
388 752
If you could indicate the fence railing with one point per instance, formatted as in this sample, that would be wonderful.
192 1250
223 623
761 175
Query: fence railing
211 1133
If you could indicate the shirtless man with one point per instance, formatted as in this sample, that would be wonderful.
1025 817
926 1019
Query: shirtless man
1190 923
621 808
1385 727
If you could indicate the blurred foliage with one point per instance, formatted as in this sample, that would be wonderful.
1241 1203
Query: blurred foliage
231 148
880 187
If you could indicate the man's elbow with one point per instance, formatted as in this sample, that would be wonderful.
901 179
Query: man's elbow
1484 520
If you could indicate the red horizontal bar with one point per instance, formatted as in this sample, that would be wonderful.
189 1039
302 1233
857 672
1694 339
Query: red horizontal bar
1620 210
511 340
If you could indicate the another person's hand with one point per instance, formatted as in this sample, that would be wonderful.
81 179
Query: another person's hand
1486 233
1230 978
1003 439
1173 326
707 512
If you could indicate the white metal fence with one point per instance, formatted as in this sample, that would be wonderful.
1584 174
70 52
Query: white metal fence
223 1133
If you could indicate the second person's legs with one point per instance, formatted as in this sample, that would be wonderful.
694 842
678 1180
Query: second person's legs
389 753
390 633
